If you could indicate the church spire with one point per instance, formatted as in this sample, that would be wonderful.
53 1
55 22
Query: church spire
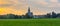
28 9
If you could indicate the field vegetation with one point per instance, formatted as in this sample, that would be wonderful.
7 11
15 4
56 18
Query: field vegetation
29 22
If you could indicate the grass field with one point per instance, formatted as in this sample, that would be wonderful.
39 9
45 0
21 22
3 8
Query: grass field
29 22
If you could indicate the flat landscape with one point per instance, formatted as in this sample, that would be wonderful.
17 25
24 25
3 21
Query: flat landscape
29 22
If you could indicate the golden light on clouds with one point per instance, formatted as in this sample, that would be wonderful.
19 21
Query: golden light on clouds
4 11
12 7
20 7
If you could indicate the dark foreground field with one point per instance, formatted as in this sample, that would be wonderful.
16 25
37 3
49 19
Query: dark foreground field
29 22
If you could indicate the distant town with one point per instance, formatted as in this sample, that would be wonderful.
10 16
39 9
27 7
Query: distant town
30 15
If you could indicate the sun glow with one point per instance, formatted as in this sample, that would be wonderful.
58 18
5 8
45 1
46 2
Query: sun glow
10 11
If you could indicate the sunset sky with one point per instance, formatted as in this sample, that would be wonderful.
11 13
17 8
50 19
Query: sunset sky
38 7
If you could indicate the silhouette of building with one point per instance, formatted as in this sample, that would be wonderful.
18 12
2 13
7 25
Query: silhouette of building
54 15
29 14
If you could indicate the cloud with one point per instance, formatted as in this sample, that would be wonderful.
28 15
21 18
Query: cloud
45 5
54 4
14 4
53 0
21 5
5 5
42 2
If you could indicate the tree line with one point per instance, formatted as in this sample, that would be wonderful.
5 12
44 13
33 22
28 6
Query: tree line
12 16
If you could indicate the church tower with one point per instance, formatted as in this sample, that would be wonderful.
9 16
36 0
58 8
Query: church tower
29 12
28 9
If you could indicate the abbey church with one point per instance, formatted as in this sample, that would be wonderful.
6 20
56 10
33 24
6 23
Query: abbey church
29 14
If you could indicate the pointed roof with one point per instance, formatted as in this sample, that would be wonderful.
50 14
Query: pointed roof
28 9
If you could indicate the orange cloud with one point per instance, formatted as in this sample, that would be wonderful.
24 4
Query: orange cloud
17 7
11 11
20 7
